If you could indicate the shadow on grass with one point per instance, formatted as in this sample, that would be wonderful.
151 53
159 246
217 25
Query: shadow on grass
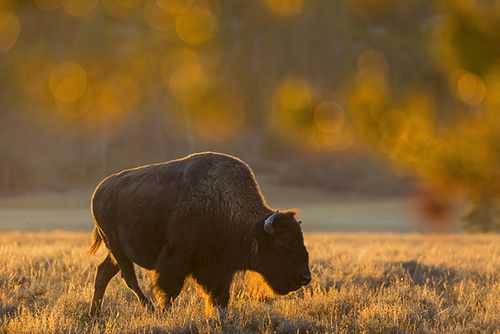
417 273
159 330
274 322
420 274
7 311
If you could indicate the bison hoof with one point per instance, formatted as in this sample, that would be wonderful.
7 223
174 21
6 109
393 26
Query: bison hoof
94 311
222 312
149 305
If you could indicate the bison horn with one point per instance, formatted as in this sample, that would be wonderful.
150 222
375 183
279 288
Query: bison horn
268 223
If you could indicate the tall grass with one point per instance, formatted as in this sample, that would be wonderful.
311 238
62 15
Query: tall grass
362 283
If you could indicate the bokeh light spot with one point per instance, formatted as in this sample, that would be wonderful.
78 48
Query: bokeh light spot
493 84
68 82
108 103
293 111
293 94
218 117
196 26
370 93
329 118
189 81
186 80
9 30
471 89
331 131
110 99
285 7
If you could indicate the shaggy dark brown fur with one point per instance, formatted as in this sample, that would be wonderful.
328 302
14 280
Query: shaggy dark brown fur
202 215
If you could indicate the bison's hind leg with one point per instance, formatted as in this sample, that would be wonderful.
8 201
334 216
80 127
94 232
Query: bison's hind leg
128 274
105 272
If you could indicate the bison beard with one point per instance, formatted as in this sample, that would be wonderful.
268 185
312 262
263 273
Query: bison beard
202 215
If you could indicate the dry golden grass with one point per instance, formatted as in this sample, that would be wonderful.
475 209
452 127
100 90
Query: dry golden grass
362 283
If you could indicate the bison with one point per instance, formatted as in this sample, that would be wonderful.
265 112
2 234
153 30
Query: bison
202 215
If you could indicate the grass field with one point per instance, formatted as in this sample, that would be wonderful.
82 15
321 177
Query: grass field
362 283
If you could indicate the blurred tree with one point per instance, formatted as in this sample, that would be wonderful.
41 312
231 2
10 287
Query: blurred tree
138 80
484 216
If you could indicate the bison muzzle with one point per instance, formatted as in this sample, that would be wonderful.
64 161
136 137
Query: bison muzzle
203 215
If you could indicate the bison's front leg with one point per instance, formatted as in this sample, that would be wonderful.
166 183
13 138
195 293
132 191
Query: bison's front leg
220 294
218 285
168 278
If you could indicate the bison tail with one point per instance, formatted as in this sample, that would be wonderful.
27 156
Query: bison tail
96 241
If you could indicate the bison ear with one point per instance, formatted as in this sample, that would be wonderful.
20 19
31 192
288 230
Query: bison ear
293 212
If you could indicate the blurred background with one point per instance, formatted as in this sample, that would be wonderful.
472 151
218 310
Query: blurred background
370 115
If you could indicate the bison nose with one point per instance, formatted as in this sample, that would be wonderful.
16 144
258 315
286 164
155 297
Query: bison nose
305 279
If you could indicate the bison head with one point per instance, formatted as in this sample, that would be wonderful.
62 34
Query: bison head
281 256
